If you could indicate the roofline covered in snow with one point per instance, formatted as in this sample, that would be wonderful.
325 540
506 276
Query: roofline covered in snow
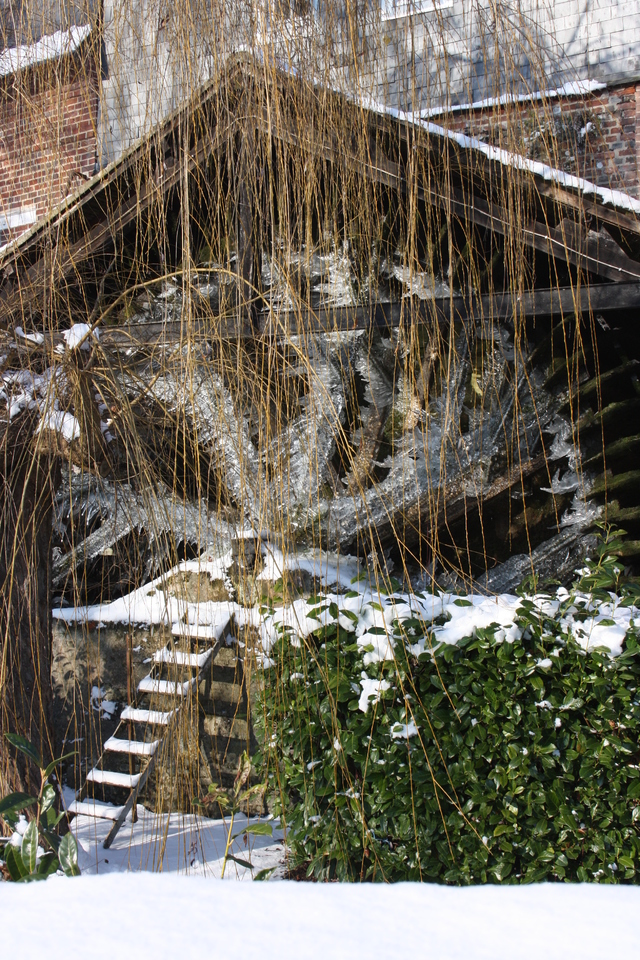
607 206
613 198
53 46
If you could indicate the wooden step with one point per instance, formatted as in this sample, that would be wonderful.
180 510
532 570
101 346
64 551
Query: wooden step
110 778
136 748
179 658
201 631
153 717
166 688
94 808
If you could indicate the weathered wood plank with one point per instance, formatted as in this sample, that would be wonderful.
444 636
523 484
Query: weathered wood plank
603 298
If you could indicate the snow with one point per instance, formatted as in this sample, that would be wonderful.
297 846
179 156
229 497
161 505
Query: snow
371 690
25 390
50 47
573 88
362 609
403 730
36 338
175 843
78 336
62 423
166 916
106 708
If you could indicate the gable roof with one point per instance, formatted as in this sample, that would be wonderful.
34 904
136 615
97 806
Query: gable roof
112 199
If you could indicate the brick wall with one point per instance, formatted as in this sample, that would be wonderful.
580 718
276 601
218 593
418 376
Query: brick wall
48 117
595 136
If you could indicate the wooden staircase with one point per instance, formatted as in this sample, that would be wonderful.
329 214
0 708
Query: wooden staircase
112 786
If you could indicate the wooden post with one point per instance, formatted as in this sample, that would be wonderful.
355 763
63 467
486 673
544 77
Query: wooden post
247 164
29 476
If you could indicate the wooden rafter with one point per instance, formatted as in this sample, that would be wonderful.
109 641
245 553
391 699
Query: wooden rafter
595 252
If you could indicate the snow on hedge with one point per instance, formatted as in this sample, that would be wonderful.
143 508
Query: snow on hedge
357 606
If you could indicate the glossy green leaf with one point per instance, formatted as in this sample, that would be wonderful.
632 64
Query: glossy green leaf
52 839
260 829
68 855
21 743
15 802
239 861
54 763
502 828
47 798
13 860
48 864
29 847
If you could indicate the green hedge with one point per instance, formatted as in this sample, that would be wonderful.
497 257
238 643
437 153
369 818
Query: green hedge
496 787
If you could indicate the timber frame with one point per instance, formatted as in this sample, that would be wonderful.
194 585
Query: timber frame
602 243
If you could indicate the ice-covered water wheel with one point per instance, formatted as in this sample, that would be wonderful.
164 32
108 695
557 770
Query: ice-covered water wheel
457 441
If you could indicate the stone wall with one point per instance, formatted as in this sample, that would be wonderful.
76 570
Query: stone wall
48 138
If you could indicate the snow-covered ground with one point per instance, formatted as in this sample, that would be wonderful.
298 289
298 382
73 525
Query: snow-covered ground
157 916
176 843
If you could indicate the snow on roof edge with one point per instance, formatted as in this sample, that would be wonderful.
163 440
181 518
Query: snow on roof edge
50 47
573 88
607 195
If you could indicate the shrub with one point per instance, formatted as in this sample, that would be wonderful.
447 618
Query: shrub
41 850
485 761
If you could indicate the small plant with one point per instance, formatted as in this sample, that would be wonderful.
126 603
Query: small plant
232 801
42 851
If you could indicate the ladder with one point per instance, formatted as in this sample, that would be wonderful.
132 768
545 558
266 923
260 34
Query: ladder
144 725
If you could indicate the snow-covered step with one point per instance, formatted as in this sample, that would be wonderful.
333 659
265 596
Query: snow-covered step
169 688
138 748
112 779
91 808
157 718
179 658
201 631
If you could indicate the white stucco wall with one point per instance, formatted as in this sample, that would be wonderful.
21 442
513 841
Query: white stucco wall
443 51
455 46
